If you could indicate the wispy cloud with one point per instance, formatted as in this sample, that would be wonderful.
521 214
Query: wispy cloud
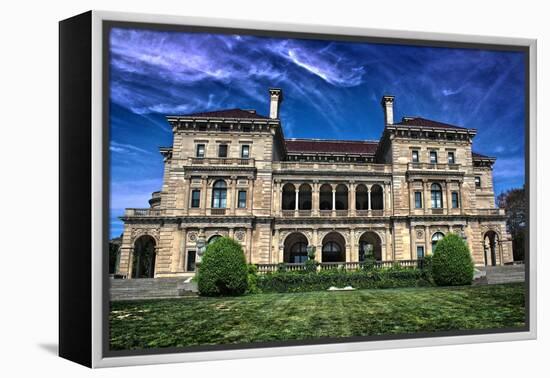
331 89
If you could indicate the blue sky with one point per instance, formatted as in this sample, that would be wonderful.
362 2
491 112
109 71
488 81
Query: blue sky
332 90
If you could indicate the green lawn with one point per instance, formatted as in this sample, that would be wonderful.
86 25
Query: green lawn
270 317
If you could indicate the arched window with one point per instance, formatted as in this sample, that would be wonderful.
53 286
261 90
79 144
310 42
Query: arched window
361 197
325 197
295 248
377 197
213 239
435 238
298 252
219 195
304 197
289 197
341 197
332 252
437 202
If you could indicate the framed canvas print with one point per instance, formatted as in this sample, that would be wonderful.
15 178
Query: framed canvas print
233 189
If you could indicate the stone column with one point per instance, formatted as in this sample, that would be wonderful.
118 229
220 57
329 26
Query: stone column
412 205
297 192
448 192
333 199
315 198
249 244
187 188
426 197
180 263
204 196
370 202
352 200
353 246
232 195
231 232
250 196
274 256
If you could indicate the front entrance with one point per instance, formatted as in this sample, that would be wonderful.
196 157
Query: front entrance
143 259
490 248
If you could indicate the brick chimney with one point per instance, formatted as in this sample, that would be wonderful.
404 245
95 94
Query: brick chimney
276 97
387 105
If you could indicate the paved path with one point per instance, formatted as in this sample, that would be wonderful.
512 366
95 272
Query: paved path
503 274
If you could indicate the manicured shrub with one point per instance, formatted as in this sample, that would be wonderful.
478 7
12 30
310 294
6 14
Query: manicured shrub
311 266
252 279
223 270
452 264
302 281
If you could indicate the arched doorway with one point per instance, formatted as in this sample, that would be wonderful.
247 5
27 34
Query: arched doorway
289 197
435 238
370 245
334 248
377 197
213 238
490 247
143 259
295 249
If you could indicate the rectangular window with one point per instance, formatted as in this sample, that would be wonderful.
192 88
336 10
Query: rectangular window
418 200
433 157
478 182
242 199
451 158
245 151
419 252
415 158
196 198
200 150
454 196
191 257
222 151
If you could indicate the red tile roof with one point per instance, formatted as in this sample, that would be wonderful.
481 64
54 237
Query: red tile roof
331 146
423 122
228 113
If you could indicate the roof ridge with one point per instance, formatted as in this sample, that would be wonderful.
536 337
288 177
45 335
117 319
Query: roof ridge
333 140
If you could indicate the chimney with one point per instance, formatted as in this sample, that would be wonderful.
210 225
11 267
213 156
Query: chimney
276 97
387 105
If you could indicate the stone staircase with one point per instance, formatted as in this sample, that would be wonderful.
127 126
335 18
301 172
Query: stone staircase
502 274
151 288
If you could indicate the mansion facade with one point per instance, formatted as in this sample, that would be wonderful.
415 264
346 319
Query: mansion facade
233 173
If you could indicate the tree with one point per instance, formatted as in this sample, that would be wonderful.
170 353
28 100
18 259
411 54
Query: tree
515 204
114 250
452 262
223 269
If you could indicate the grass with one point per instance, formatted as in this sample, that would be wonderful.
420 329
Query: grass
281 317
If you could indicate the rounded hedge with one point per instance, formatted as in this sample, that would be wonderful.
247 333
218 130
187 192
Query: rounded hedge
452 264
223 269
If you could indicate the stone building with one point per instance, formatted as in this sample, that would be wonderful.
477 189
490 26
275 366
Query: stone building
233 173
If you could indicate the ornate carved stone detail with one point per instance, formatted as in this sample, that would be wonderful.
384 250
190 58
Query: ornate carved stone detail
192 236
240 235
140 231
419 234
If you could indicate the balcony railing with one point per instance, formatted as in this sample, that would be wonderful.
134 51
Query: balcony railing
433 167
349 266
147 212
217 211
491 211
221 161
